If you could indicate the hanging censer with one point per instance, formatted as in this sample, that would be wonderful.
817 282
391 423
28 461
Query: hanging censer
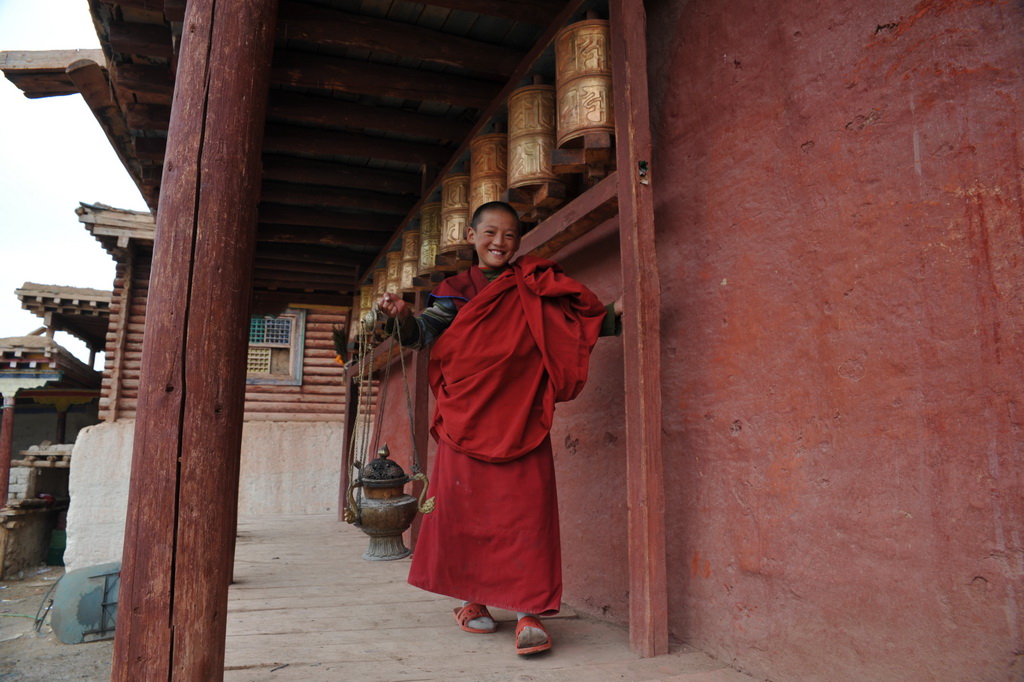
376 500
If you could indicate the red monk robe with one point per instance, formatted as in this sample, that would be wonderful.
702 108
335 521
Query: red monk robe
519 345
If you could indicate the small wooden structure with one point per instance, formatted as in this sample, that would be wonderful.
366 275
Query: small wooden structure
340 146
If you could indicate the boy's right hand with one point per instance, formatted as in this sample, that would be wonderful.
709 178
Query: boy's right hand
392 305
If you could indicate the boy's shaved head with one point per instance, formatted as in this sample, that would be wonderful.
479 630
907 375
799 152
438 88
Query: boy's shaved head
495 206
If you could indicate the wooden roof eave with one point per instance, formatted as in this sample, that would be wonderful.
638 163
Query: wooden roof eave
42 73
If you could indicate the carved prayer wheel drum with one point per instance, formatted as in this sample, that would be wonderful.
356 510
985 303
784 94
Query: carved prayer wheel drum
385 511
394 272
430 237
488 169
410 260
366 301
380 281
411 245
531 135
583 81
454 212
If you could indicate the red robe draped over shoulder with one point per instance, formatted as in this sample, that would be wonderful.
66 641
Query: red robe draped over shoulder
517 346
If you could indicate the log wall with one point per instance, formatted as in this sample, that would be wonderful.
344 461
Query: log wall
321 397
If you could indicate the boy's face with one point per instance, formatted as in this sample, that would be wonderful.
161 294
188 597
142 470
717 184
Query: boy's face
495 238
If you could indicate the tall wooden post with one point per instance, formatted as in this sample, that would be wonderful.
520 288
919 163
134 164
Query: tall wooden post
420 383
648 593
6 446
61 432
183 496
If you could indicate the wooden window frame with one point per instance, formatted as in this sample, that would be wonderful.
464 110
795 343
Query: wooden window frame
296 345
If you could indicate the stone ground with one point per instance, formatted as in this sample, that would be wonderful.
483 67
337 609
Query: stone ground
305 606
31 656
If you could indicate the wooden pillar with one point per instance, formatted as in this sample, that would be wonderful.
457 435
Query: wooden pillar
351 421
420 387
6 445
184 486
60 434
648 594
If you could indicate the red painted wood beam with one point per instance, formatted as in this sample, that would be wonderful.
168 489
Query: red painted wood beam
648 593
179 536
572 221
6 444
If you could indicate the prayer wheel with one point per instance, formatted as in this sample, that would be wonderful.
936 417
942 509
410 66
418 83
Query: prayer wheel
410 260
454 212
488 169
380 281
430 237
411 245
385 511
366 301
531 135
583 81
394 272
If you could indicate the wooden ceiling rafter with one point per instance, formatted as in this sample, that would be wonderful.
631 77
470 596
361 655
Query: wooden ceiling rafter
305 109
333 174
332 27
562 17
367 110
290 194
327 72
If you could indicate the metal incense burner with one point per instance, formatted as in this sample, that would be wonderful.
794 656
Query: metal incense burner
385 511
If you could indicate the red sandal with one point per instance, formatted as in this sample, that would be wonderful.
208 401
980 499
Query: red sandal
531 622
469 612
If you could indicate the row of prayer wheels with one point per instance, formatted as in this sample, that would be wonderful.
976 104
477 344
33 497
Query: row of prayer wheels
541 118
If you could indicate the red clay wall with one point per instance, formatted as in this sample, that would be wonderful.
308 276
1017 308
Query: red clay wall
840 219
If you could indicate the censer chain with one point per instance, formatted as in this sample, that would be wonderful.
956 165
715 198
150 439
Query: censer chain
425 505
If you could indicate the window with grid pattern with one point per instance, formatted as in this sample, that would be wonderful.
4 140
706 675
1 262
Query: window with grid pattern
275 348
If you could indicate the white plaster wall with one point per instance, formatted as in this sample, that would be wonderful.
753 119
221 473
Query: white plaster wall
100 469
290 467
286 468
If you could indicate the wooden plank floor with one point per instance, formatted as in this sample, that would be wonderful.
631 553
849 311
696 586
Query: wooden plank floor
306 606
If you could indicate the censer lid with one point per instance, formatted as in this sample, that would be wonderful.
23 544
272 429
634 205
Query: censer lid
382 471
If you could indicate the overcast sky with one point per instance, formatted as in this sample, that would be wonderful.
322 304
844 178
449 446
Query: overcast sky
53 155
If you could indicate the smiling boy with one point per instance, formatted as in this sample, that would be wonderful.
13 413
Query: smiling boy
510 339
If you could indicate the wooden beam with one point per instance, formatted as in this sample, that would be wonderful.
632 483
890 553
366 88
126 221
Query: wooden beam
150 148
183 498
329 173
283 139
572 221
148 40
147 5
645 493
306 279
302 255
332 197
141 116
313 217
323 72
282 299
330 112
91 81
265 266
147 81
536 12
296 234
327 26
42 73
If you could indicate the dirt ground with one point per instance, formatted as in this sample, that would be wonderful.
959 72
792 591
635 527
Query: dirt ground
38 656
